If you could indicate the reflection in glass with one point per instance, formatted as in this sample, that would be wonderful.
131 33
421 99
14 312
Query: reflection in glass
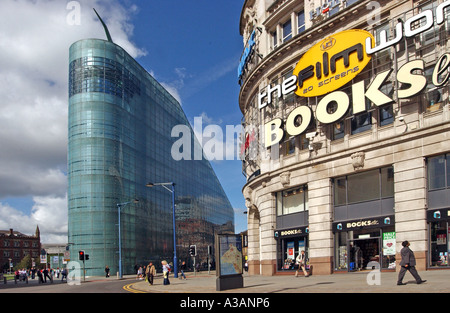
120 123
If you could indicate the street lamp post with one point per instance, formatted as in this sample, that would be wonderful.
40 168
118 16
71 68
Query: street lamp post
119 207
172 190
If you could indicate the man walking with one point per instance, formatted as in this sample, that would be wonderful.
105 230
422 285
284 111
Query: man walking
408 263
151 272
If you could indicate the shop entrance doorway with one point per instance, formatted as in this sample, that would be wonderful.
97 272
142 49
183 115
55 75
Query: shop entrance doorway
364 254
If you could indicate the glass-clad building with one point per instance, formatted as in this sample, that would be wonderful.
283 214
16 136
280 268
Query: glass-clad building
120 126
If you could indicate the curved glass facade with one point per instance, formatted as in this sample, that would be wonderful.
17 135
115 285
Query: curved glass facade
120 123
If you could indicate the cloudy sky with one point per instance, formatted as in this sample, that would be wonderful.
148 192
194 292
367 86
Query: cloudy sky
35 36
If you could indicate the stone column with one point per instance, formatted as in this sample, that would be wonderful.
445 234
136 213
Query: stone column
410 200
320 229
253 221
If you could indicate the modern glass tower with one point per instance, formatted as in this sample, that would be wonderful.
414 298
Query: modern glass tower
120 124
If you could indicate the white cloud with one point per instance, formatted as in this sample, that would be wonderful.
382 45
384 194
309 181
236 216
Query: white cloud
173 90
49 213
35 38
188 84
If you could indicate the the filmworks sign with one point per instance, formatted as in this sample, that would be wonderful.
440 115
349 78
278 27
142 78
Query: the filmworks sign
335 61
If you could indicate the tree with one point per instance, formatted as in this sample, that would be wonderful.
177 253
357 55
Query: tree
24 263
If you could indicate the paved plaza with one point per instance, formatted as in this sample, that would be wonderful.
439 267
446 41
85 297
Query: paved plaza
438 281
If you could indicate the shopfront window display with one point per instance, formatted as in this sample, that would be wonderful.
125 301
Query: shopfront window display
364 249
288 250
440 247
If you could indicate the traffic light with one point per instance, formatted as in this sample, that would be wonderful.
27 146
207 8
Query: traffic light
83 256
193 250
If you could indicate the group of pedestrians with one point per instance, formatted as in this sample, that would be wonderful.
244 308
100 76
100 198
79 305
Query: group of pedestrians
407 263
41 274
166 268
148 272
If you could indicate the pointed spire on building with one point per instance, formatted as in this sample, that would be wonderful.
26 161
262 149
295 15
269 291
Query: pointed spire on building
38 232
108 35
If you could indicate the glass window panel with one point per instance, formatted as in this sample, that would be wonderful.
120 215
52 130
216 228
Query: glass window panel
436 172
430 36
387 182
340 191
339 130
279 204
275 40
363 187
386 111
440 246
361 122
290 146
293 201
287 31
448 171
433 95
301 22
340 244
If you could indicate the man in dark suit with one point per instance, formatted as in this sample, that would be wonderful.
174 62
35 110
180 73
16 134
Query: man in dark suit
408 263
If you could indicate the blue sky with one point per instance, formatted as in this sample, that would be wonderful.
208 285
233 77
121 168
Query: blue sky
191 46
195 46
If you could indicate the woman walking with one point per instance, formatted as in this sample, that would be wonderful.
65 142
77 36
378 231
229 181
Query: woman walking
166 270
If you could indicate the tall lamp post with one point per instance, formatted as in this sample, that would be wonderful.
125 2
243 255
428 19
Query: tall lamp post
119 207
172 190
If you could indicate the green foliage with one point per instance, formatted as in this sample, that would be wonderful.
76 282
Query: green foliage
24 263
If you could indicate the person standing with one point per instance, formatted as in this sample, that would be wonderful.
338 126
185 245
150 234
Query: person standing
300 262
408 263
107 271
166 269
64 274
139 273
151 272
40 276
182 269
33 273
46 274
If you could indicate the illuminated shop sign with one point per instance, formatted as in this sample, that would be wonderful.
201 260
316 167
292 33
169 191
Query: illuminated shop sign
291 232
438 215
364 223
335 61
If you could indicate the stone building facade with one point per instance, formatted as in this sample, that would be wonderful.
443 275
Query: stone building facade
14 246
346 143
